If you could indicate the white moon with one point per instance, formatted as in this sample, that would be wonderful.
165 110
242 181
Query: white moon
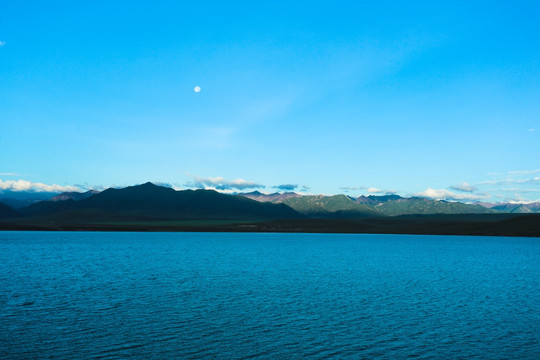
197 89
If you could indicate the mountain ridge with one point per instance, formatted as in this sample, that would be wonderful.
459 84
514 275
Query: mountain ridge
149 207
7 212
152 201
161 201
73 195
377 205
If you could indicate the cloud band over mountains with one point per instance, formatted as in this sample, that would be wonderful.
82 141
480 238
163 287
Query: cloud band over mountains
464 187
24 185
443 194
506 187
220 183
286 187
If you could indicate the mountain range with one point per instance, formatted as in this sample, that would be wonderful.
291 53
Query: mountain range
149 201
20 199
274 197
517 208
148 206
333 206
384 205
73 195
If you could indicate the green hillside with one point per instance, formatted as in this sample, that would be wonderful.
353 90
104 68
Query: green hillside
338 205
518 208
343 206
413 206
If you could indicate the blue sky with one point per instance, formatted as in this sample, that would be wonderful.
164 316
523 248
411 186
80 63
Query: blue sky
440 99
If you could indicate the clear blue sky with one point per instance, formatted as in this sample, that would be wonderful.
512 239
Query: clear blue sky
440 99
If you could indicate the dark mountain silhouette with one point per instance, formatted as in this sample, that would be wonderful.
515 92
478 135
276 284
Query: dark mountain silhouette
7 211
149 207
73 195
20 199
149 201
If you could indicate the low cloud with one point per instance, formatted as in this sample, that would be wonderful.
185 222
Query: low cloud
164 184
524 172
371 190
374 190
518 190
9 174
286 187
305 188
517 198
220 183
87 187
516 172
352 188
464 187
534 180
24 185
443 194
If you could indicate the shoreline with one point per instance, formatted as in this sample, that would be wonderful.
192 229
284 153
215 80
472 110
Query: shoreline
513 225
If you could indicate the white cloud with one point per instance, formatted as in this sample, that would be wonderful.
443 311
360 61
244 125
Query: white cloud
516 182
220 183
286 187
518 199
2 43
352 188
516 173
9 174
520 190
371 190
532 130
443 194
535 180
524 172
463 187
24 185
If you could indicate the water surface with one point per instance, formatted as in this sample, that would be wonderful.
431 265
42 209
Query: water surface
258 296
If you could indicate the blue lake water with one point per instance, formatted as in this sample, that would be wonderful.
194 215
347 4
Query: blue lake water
267 296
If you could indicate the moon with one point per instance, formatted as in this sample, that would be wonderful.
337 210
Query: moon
197 89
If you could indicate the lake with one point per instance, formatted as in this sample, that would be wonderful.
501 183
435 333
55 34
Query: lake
91 295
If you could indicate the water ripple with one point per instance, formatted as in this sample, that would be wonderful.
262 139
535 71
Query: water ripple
261 296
